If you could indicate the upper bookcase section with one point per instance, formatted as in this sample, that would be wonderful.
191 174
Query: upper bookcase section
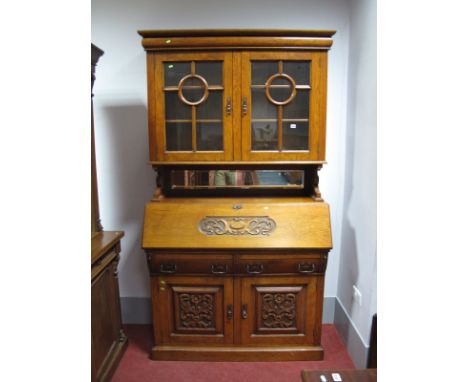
236 39
244 96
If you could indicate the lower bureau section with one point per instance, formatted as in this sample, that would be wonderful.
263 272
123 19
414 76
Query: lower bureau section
237 316
237 353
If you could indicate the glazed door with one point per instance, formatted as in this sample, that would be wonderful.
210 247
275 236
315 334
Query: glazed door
280 310
283 105
193 107
193 310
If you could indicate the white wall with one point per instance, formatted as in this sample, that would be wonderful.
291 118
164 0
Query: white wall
125 179
359 236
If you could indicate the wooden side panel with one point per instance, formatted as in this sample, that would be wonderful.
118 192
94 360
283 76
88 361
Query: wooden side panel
104 330
318 104
154 83
107 338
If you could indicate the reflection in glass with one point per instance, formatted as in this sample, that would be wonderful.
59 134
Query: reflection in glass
299 70
224 178
264 136
174 71
212 108
261 107
193 89
299 107
262 70
178 136
175 108
280 94
211 71
209 136
295 135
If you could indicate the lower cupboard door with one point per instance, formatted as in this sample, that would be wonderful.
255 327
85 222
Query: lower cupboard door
192 310
281 310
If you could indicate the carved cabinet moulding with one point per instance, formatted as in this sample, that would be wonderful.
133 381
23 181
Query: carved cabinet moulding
237 225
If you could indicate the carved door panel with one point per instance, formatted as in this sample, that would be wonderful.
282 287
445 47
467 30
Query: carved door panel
279 310
190 310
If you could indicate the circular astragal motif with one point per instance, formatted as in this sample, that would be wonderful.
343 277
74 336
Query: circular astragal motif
292 86
181 89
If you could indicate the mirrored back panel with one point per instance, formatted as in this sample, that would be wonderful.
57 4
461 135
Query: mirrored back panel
236 179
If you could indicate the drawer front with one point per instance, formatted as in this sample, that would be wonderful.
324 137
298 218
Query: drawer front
179 264
265 265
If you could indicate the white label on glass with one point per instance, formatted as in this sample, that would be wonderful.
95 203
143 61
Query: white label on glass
292 125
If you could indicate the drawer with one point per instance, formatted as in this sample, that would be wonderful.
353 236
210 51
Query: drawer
279 264
180 264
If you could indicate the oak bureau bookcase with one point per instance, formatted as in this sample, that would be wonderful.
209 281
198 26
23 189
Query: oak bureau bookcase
237 234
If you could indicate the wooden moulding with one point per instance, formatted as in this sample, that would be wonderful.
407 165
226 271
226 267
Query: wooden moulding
246 164
111 362
234 38
103 242
237 353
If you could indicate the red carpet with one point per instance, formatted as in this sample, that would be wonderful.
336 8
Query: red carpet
137 367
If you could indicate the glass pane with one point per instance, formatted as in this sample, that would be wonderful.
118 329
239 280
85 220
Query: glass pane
295 135
178 136
264 136
174 71
261 107
212 108
175 108
193 94
299 107
224 178
193 89
262 70
211 71
299 70
280 94
209 136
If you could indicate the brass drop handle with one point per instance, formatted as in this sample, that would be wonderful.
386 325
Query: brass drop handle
168 268
244 312
244 105
229 312
306 268
218 269
228 106
254 269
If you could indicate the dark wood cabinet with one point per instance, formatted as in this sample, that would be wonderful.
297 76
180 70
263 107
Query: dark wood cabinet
237 234
108 341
